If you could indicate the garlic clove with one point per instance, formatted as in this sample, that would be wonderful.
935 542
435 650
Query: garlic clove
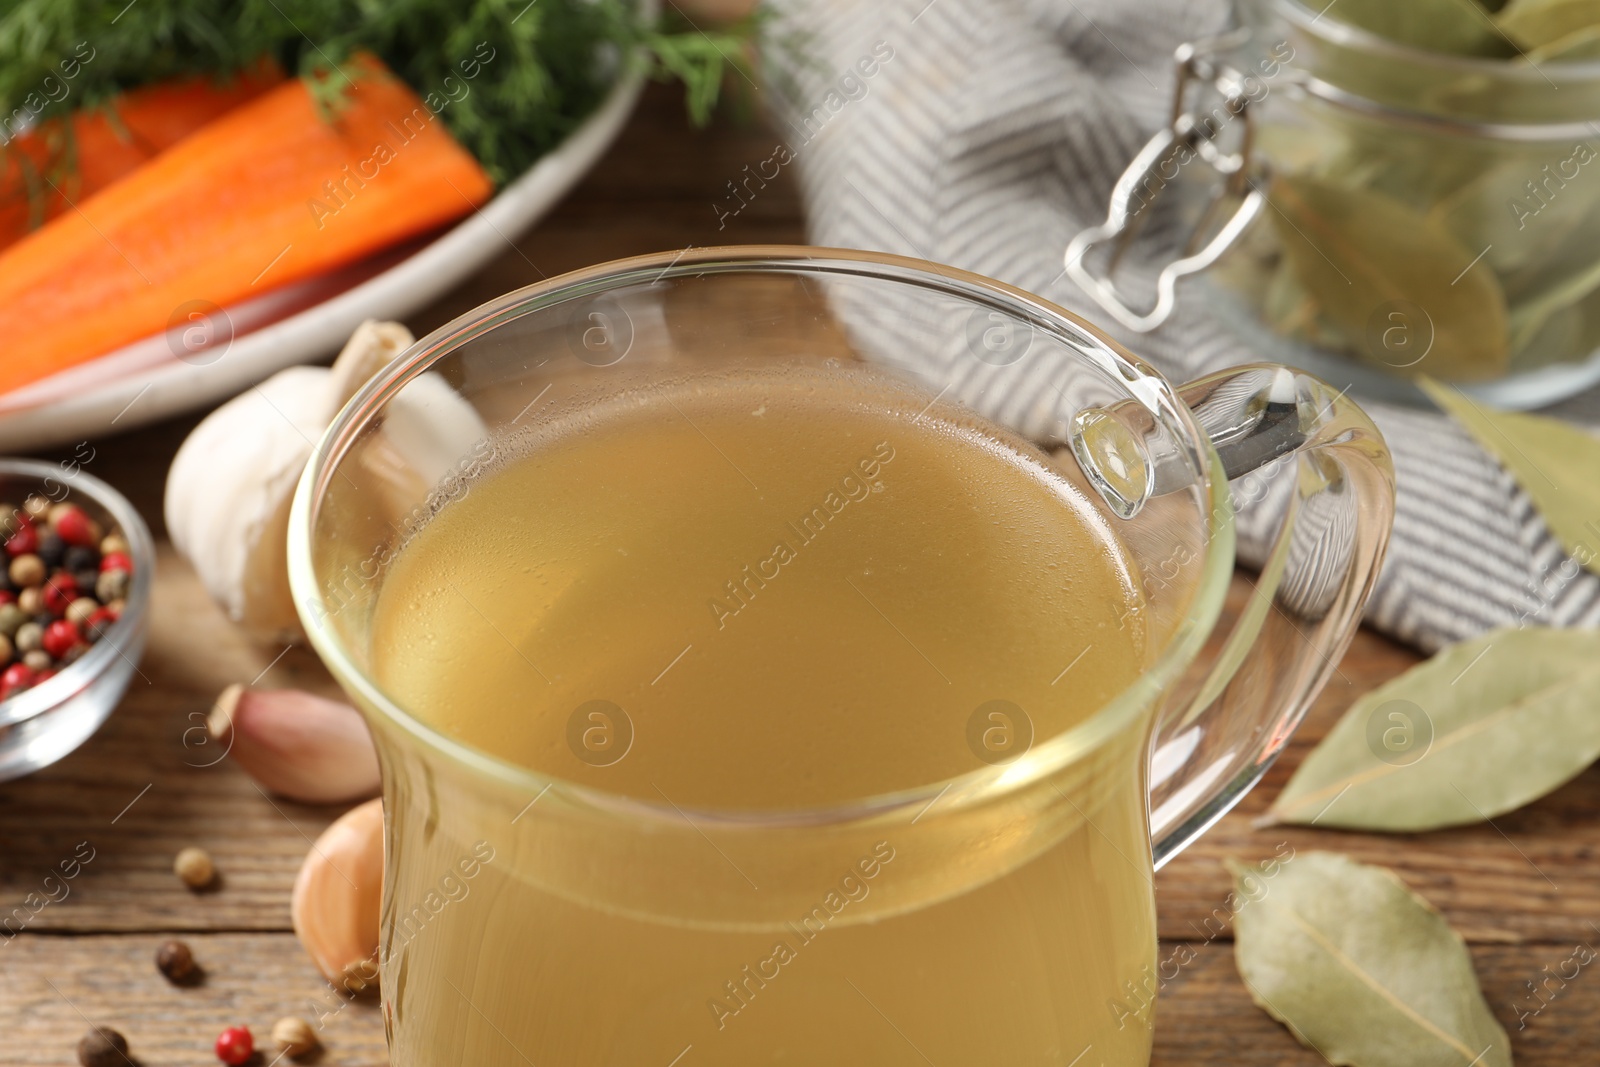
430 435
369 350
433 429
338 896
297 744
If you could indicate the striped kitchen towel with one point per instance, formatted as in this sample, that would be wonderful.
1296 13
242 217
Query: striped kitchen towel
990 132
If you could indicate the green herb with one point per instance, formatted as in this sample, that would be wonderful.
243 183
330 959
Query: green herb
1481 729
1360 968
1555 463
541 67
1399 287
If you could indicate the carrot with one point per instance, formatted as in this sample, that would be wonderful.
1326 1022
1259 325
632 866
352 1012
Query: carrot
269 194
111 141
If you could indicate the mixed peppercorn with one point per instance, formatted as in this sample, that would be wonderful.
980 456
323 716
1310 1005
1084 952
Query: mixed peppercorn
295 1038
63 584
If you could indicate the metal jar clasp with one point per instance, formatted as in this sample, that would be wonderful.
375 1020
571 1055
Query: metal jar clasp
1189 136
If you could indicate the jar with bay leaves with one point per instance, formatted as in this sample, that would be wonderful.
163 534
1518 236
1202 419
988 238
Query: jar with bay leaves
1398 189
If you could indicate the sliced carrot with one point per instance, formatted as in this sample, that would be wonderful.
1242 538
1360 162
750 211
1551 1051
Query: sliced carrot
269 194
114 140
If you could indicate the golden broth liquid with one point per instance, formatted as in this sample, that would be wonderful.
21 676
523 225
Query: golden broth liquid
772 592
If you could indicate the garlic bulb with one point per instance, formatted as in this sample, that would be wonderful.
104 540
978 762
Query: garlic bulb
228 493
231 483
338 895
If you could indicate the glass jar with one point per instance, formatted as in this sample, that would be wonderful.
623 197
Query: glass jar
1381 212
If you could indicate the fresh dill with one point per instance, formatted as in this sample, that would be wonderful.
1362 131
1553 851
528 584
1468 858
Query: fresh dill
539 67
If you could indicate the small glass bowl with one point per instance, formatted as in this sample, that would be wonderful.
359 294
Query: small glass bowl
39 726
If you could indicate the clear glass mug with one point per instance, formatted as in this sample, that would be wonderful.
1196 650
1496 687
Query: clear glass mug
998 916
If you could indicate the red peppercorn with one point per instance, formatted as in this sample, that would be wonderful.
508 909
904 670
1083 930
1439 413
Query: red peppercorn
59 591
59 637
97 624
74 526
44 676
235 1045
7 597
15 677
116 561
24 541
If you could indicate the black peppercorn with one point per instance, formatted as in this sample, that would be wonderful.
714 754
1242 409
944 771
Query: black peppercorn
174 960
80 558
52 550
102 1046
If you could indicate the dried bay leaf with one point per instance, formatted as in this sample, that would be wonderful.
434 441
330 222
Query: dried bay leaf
1480 729
1528 318
1551 341
1557 464
1360 968
1535 23
1412 170
1525 236
1286 305
1542 250
1360 253
1460 27
1577 46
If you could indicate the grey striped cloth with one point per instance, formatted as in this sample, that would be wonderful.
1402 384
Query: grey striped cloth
993 133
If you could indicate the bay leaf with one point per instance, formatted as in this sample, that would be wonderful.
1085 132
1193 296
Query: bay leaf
1412 170
1542 249
1575 47
1285 304
1557 464
1360 253
1480 729
1534 23
1554 340
1460 27
1522 233
1359 968
1528 318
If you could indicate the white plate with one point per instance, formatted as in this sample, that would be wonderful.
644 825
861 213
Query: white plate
146 381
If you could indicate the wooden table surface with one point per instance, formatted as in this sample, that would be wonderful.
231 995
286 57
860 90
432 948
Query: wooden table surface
1523 891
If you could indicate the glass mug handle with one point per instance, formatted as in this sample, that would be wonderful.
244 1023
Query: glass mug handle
1215 738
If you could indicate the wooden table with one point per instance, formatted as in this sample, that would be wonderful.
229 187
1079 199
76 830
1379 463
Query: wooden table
1523 891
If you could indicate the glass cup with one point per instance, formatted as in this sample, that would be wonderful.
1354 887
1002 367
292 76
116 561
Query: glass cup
1002 915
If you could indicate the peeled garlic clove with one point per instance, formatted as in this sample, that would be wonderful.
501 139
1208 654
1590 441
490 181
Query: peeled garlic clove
296 744
338 896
